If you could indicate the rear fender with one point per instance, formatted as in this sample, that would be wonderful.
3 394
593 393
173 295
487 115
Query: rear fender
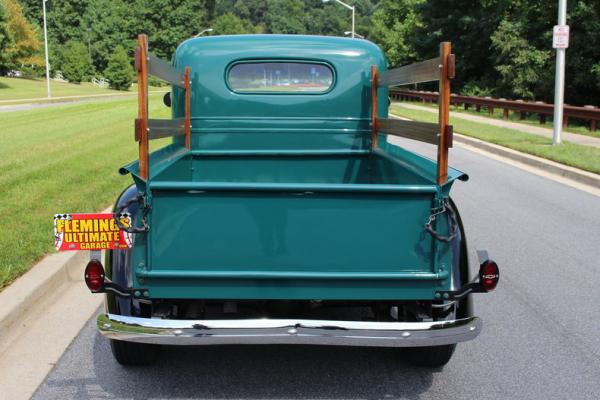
118 263
461 266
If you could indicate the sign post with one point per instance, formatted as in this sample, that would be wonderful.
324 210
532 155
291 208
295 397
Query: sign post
560 41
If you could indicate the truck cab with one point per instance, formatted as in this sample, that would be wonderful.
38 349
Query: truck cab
281 214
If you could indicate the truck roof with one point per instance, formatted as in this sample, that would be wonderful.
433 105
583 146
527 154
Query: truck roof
294 45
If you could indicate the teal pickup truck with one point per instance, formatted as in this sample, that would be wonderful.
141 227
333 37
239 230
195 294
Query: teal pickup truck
280 213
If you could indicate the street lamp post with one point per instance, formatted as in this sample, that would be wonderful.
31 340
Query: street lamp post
46 50
89 45
349 7
203 32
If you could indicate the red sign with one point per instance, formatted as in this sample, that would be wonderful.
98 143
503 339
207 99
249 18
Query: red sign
90 232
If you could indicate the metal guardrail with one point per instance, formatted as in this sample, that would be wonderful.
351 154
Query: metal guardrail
589 114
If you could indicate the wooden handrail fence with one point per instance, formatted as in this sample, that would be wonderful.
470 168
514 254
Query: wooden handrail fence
440 69
147 129
589 114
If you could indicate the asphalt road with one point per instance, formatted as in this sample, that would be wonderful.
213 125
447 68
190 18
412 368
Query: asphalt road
541 337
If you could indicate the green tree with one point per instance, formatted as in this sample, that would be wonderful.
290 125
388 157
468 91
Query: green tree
596 72
108 24
520 64
168 22
119 71
65 20
583 53
76 65
468 25
230 24
286 16
395 23
6 40
25 41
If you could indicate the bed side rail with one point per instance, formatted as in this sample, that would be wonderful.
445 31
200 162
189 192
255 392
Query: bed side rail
147 129
440 69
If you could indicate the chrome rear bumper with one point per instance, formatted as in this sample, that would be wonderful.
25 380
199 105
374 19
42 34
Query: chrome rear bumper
288 331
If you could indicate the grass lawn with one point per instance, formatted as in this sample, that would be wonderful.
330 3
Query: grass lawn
584 157
60 159
575 126
21 88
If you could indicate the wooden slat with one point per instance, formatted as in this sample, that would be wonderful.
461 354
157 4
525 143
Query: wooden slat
164 71
373 107
444 113
425 71
142 125
187 108
160 128
421 131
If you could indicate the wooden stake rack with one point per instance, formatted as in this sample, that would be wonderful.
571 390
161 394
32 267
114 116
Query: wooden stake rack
147 129
440 69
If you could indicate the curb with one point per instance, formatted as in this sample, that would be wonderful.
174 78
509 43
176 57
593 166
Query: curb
575 174
30 293
35 287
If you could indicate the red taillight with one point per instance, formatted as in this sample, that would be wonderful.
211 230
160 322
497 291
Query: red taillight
94 275
489 274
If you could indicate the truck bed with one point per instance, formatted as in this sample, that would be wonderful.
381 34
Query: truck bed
291 226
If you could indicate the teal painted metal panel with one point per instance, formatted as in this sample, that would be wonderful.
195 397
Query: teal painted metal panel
293 236
224 119
281 197
230 224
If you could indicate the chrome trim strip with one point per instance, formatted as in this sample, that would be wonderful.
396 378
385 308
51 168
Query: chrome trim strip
237 274
288 331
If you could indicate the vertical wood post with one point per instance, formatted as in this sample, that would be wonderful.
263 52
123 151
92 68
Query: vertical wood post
187 109
142 69
373 107
446 71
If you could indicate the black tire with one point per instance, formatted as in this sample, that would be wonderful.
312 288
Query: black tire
431 357
130 353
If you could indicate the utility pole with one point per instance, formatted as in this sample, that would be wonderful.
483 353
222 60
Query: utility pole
46 50
560 41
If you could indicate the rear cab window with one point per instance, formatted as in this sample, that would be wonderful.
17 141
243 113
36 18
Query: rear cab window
280 77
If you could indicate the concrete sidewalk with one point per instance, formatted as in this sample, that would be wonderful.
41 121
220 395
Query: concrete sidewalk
535 130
